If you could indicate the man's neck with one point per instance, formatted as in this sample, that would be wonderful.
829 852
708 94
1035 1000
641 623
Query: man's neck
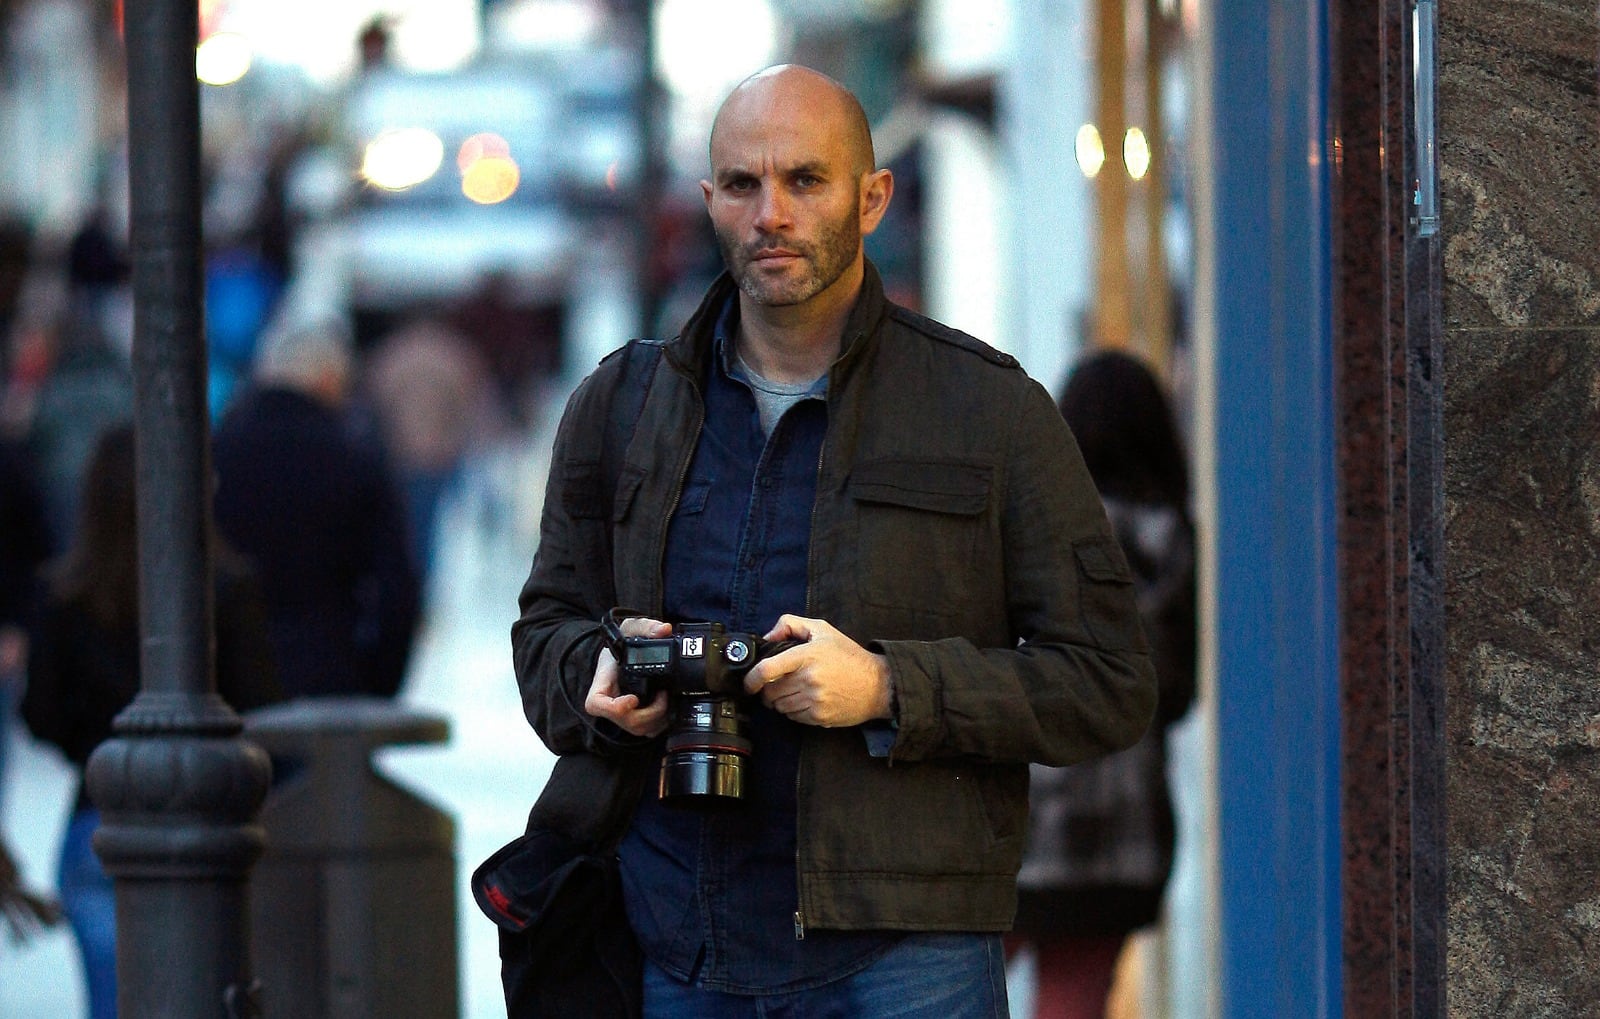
798 343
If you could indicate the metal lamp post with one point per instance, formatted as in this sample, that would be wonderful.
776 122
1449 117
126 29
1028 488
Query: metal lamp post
177 788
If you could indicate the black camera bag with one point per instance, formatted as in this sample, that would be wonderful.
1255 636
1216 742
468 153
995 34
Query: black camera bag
565 945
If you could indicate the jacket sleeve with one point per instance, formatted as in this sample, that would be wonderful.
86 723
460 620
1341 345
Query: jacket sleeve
557 638
1074 679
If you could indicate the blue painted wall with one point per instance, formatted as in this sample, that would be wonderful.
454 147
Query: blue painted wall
1278 681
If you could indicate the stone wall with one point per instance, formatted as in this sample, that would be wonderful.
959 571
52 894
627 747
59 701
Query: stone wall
1519 146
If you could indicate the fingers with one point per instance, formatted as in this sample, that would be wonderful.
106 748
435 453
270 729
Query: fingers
774 669
626 711
792 627
829 680
649 720
797 709
804 707
643 626
770 670
792 684
603 700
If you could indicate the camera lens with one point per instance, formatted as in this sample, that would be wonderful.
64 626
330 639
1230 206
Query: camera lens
705 752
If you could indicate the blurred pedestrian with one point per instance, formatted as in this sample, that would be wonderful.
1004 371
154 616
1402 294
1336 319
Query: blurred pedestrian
311 501
430 391
89 384
24 547
83 669
1101 834
88 390
518 337
16 248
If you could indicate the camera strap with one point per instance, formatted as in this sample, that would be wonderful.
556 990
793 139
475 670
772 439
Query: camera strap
611 624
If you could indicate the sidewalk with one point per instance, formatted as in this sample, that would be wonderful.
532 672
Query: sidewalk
486 777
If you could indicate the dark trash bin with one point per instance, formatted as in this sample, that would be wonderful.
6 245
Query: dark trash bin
353 904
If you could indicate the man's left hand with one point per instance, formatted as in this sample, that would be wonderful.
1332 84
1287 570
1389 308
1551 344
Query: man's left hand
829 680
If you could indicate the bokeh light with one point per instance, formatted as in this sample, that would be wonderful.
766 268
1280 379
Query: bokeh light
222 59
491 179
1136 153
704 47
481 146
1090 150
396 160
488 173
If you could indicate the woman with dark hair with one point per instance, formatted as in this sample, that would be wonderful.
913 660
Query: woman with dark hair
83 669
1101 834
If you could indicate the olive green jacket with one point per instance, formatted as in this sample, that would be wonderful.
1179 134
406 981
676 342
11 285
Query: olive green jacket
956 531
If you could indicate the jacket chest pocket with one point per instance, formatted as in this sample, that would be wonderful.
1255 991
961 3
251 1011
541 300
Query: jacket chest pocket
586 503
922 526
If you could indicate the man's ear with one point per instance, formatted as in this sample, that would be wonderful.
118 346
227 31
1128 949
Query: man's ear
705 189
876 190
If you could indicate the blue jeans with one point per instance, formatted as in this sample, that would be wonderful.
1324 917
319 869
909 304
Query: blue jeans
925 976
89 902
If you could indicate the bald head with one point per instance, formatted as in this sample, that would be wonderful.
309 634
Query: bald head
789 91
793 192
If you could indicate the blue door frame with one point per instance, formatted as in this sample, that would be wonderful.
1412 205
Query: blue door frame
1277 611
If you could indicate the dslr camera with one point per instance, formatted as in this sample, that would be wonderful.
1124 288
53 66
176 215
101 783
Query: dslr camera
702 667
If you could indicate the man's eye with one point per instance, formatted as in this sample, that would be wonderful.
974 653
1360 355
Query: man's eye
806 180
740 185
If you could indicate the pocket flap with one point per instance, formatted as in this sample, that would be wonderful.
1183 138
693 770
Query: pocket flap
627 487
1101 559
940 486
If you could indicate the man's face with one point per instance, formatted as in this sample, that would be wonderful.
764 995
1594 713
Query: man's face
785 201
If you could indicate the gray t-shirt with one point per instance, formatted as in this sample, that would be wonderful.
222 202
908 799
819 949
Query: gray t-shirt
774 398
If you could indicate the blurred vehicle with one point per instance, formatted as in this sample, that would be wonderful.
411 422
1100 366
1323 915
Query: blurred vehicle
440 183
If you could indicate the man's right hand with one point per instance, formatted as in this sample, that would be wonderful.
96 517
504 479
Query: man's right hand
625 710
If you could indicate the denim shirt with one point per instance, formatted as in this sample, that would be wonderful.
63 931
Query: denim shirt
711 892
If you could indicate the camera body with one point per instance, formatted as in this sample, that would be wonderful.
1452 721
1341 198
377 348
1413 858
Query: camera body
702 667
698 659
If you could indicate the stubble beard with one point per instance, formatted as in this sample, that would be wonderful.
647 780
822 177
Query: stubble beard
825 261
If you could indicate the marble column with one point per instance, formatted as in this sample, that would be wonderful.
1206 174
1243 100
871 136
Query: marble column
1392 618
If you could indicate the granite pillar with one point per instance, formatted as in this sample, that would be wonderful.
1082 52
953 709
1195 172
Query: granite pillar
1520 182
1389 402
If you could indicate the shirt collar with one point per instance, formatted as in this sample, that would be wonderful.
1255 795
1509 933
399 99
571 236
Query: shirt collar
724 349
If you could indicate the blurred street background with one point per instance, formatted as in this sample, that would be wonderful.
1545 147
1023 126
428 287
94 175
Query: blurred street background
486 777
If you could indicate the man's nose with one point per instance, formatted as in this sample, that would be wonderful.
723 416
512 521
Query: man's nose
773 211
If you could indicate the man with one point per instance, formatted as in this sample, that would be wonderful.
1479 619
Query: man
814 464
311 502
